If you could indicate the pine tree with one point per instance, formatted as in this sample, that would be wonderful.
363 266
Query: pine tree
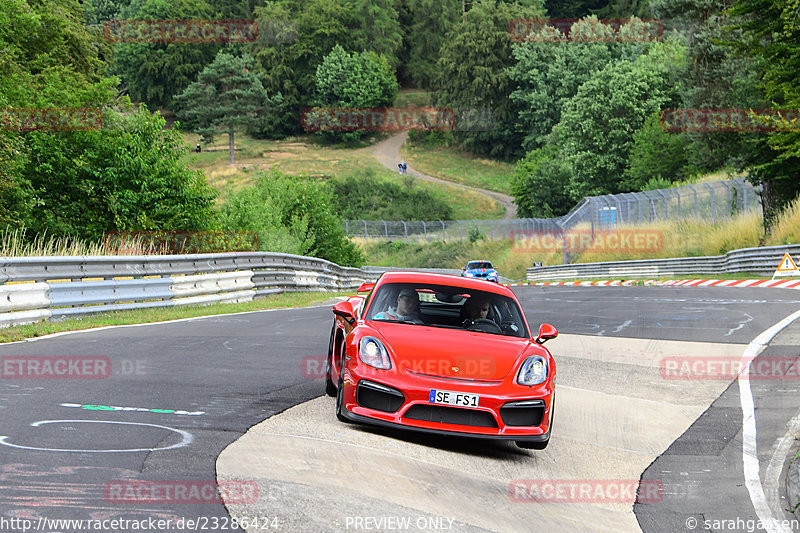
226 96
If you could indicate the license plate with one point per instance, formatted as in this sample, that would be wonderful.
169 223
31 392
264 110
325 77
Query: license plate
447 397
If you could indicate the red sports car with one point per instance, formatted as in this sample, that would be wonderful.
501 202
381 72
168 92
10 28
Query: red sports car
442 354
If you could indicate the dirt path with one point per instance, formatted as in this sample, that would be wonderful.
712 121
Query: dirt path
388 153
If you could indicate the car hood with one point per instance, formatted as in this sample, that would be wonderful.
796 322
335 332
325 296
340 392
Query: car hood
453 353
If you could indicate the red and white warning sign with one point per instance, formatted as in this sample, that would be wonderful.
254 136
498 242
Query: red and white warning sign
787 268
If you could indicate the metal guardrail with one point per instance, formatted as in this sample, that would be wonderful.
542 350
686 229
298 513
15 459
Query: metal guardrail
760 261
37 288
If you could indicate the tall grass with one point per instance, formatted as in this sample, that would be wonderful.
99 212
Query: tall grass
14 242
684 238
787 227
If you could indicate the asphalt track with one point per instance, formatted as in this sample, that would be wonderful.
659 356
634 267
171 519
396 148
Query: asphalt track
238 370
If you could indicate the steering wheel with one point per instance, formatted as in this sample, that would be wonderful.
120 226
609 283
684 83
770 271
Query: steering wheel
477 322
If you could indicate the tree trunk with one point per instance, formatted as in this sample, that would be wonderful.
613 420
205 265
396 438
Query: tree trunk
230 147
769 204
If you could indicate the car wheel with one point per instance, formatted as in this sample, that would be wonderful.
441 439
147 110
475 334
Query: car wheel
340 402
340 392
330 388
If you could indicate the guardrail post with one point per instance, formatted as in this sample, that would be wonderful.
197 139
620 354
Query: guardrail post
405 230
425 229
443 232
365 229
386 230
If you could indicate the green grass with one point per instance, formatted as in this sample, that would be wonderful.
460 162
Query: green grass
412 98
454 165
310 156
143 316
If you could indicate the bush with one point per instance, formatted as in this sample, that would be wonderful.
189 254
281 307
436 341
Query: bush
290 215
369 198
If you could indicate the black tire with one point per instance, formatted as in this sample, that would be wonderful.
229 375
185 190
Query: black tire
330 388
340 392
340 402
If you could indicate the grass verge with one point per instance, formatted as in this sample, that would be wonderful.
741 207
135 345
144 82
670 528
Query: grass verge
453 165
312 157
684 238
144 316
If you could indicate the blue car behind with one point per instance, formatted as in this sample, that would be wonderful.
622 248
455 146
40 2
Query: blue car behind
480 270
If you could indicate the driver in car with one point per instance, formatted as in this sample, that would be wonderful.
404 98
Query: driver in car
407 308
476 308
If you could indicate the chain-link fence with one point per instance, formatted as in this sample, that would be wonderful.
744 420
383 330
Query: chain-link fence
713 201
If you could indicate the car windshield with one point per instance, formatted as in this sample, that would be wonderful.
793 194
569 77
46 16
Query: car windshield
479 264
447 307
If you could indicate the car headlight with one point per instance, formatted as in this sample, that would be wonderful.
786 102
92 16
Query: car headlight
468 274
372 352
533 371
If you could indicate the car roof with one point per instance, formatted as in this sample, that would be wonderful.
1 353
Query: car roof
444 279
479 261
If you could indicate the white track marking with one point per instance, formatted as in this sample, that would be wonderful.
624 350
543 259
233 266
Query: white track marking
749 444
775 467
186 437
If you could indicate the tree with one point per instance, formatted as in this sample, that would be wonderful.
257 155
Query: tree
290 215
772 38
472 75
431 20
548 73
128 176
573 9
540 184
299 35
154 72
353 81
656 154
379 29
596 131
227 95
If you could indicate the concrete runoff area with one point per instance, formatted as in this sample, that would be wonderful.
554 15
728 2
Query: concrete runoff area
615 414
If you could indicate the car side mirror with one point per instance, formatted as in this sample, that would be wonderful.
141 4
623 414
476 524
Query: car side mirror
463 269
546 332
345 310
365 287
